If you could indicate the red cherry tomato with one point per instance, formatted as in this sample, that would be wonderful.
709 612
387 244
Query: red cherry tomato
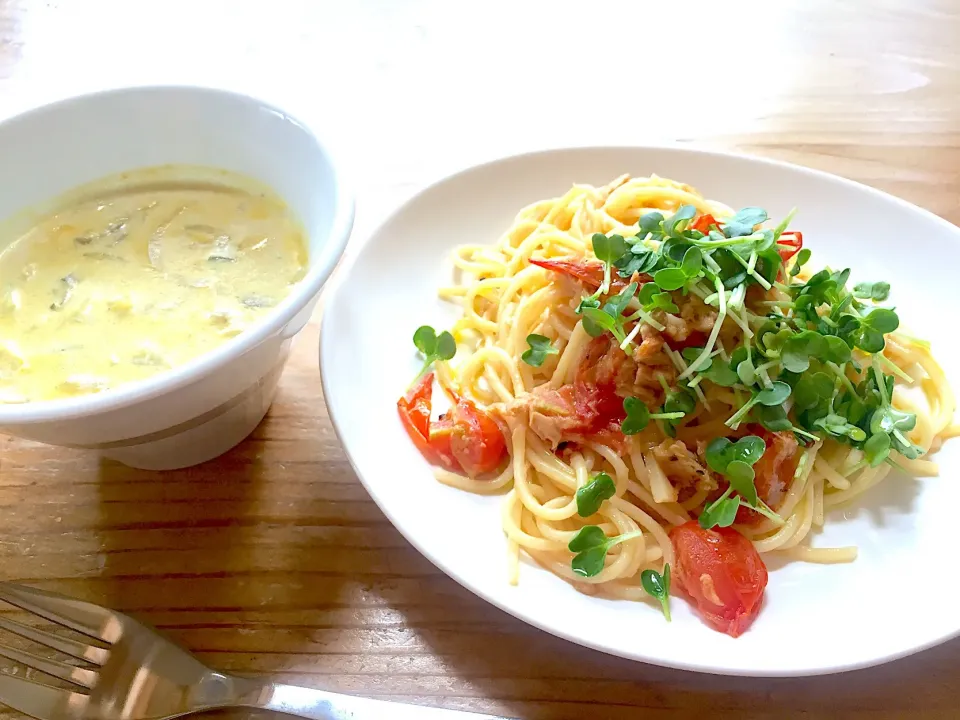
789 244
703 223
722 573
465 438
475 440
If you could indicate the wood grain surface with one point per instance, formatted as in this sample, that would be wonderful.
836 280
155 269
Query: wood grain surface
273 559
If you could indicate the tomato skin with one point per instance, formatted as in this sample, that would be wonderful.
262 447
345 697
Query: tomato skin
773 471
598 406
476 440
464 439
431 439
722 573
414 409
703 223
789 244
588 273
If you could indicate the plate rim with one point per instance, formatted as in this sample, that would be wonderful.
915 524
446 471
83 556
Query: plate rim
353 256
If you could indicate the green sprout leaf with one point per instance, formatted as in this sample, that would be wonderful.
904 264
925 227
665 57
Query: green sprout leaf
773 418
652 297
870 340
608 249
433 347
692 262
888 418
749 449
812 389
734 460
738 356
798 349
658 586
721 513
869 336
596 321
663 301
650 222
647 293
882 320
877 449
677 405
591 496
640 259
638 416
619 302
740 476
670 278
589 536
835 350
446 346
676 223
744 222
539 348
876 291
719 454
674 248
610 317
591 547
425 340
801 259
718 372
838 426
776 394
588 302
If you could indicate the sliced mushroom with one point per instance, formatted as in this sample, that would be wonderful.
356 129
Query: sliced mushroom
223 250
63 291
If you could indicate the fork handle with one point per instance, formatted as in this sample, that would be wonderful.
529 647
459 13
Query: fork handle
322 705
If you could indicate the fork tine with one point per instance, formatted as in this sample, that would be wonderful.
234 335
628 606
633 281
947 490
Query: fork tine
77 649
77 675
42 701
84 617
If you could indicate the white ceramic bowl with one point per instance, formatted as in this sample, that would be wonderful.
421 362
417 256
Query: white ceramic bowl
203 408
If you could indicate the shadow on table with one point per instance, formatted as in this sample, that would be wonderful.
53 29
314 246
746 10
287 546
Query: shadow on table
164 534
528 674
218 554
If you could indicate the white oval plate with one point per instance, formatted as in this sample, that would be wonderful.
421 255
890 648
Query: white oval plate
897 598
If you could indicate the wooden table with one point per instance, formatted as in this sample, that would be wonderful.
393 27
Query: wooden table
273 559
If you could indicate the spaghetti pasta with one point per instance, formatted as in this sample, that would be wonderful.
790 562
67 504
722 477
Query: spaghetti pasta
673 349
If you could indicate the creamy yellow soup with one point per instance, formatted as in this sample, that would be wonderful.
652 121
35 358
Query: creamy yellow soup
138 276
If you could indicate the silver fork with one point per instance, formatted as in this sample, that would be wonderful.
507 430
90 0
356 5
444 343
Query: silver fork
140 675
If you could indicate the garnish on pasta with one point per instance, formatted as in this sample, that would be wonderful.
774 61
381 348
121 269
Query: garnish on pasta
654 380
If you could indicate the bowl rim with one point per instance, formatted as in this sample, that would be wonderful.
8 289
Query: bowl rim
317 273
